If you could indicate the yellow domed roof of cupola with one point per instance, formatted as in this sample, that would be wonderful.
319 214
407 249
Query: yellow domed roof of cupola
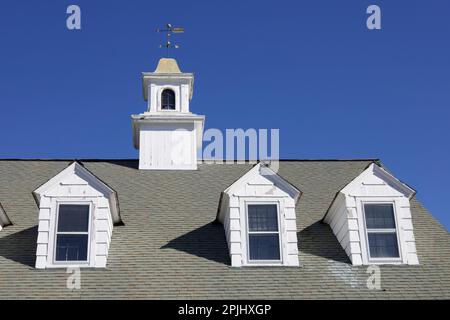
167 65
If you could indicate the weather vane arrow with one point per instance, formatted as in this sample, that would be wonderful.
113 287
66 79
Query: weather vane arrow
169 30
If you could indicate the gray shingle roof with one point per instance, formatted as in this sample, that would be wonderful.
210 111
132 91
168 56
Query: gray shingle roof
170 246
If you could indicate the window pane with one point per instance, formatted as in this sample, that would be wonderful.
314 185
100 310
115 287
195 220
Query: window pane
379 216
264 247
73 218
71 247
262 218
383 245
168 100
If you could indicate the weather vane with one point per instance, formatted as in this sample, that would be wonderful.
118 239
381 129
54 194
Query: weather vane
169 30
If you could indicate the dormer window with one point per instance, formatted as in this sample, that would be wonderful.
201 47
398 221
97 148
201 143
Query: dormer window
72 234
263 232
381 230
168 99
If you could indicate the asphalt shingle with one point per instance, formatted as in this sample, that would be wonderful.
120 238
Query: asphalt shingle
170 247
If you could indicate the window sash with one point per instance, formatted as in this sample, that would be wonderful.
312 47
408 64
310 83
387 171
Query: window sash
263 232
262 218
393 231
385 247
383 219
62 233
381 230
67 248
72 221
250 233
262 252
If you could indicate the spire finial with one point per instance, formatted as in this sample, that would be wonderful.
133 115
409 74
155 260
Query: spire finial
169 31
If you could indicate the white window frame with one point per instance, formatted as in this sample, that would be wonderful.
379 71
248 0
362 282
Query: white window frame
176 91
89 233
366 231
278 262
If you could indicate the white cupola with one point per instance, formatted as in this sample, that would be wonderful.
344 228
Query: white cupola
168 135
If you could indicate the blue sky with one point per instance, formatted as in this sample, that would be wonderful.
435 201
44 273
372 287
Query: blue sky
310 68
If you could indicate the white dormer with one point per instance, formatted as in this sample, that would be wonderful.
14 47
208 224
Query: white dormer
258 214
77 213
168 135
4 220
371 219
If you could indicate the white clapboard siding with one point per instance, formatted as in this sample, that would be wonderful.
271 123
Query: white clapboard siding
167 147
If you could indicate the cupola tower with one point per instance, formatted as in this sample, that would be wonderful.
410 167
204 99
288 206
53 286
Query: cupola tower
168 135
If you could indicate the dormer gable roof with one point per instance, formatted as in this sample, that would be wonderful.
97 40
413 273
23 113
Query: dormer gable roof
76 172
261 175
375 175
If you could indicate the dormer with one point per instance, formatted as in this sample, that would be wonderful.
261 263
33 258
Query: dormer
167 89
372 220
258 215
77 214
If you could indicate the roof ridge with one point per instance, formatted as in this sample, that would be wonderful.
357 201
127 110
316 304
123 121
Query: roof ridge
202 161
